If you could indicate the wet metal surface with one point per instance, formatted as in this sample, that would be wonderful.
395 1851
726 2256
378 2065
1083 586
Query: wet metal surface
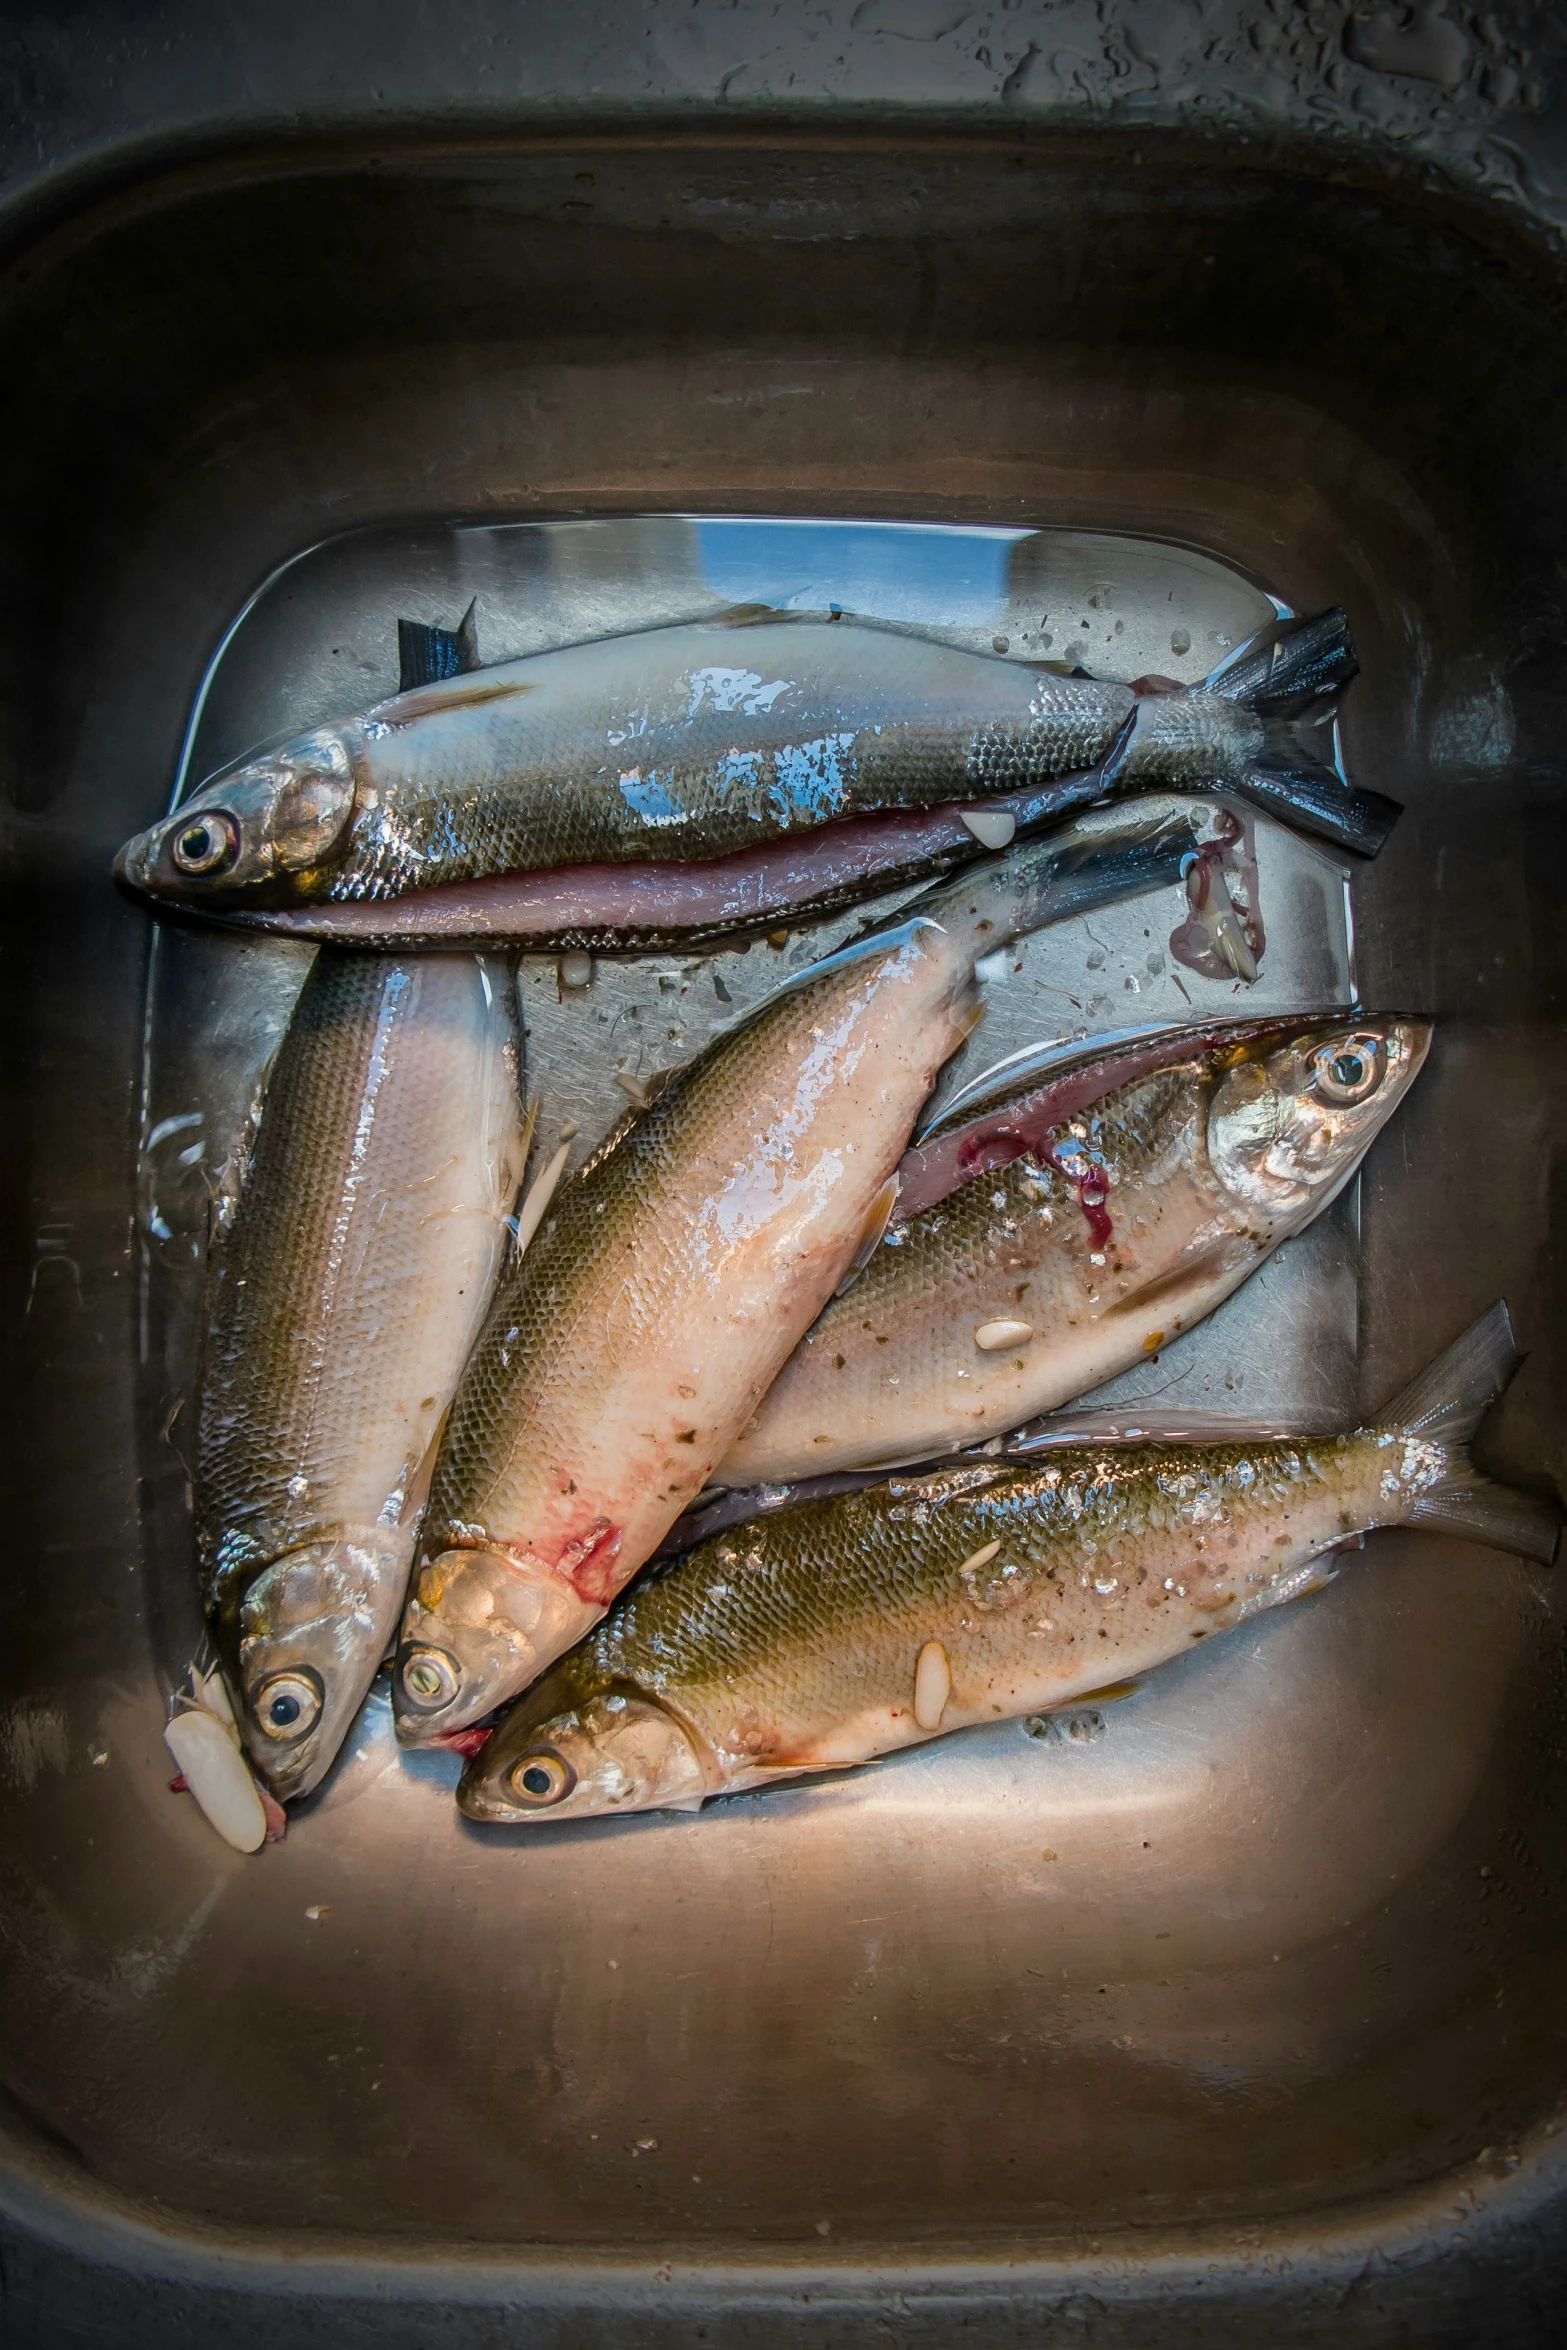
1180 2028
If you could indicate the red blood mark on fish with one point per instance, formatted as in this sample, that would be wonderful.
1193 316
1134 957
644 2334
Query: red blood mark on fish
179 1784
1093 1190
464 1742
588 1564
1024 1127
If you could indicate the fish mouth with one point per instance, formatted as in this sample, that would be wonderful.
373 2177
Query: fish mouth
1289 1148
144 872
479 1627
133 866
1420 1031
478 1799
150 869
292 1773
613 1750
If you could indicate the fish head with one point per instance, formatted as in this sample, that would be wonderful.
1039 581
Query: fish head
314 1627
479 1626
256 835
585 1758
1288 1127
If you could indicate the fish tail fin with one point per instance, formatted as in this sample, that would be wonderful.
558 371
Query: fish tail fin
1282 669
1446 1402
1277 674
1470 1506
1444 1405
1286 781
1107 853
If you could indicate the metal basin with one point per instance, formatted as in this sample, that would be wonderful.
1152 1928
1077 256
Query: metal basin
1237 2012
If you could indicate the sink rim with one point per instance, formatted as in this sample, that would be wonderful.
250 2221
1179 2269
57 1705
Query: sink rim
1317 2252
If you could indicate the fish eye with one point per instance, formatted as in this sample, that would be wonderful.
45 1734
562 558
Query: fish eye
541 1778
289 1704
1347 1071
430 1678
207 843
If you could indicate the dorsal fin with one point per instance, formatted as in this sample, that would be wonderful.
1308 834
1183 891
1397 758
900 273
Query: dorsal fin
426 655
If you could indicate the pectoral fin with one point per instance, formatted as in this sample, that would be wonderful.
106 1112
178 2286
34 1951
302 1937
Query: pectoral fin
429 701
878 1217
1192 1272
417 1490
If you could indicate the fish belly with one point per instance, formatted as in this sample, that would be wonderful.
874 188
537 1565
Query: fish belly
991 1307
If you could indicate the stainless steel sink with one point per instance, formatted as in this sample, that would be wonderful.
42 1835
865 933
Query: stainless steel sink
1238 2015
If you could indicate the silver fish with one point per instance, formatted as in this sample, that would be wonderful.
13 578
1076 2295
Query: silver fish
747 772
343 1299
855 1626
1074 1227
673 1275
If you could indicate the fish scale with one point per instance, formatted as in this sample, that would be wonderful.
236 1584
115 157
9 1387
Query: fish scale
821 1613
342 1299
674 1274
605 757
853 1625
296 1290
595 1277
893 1369
879 1366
